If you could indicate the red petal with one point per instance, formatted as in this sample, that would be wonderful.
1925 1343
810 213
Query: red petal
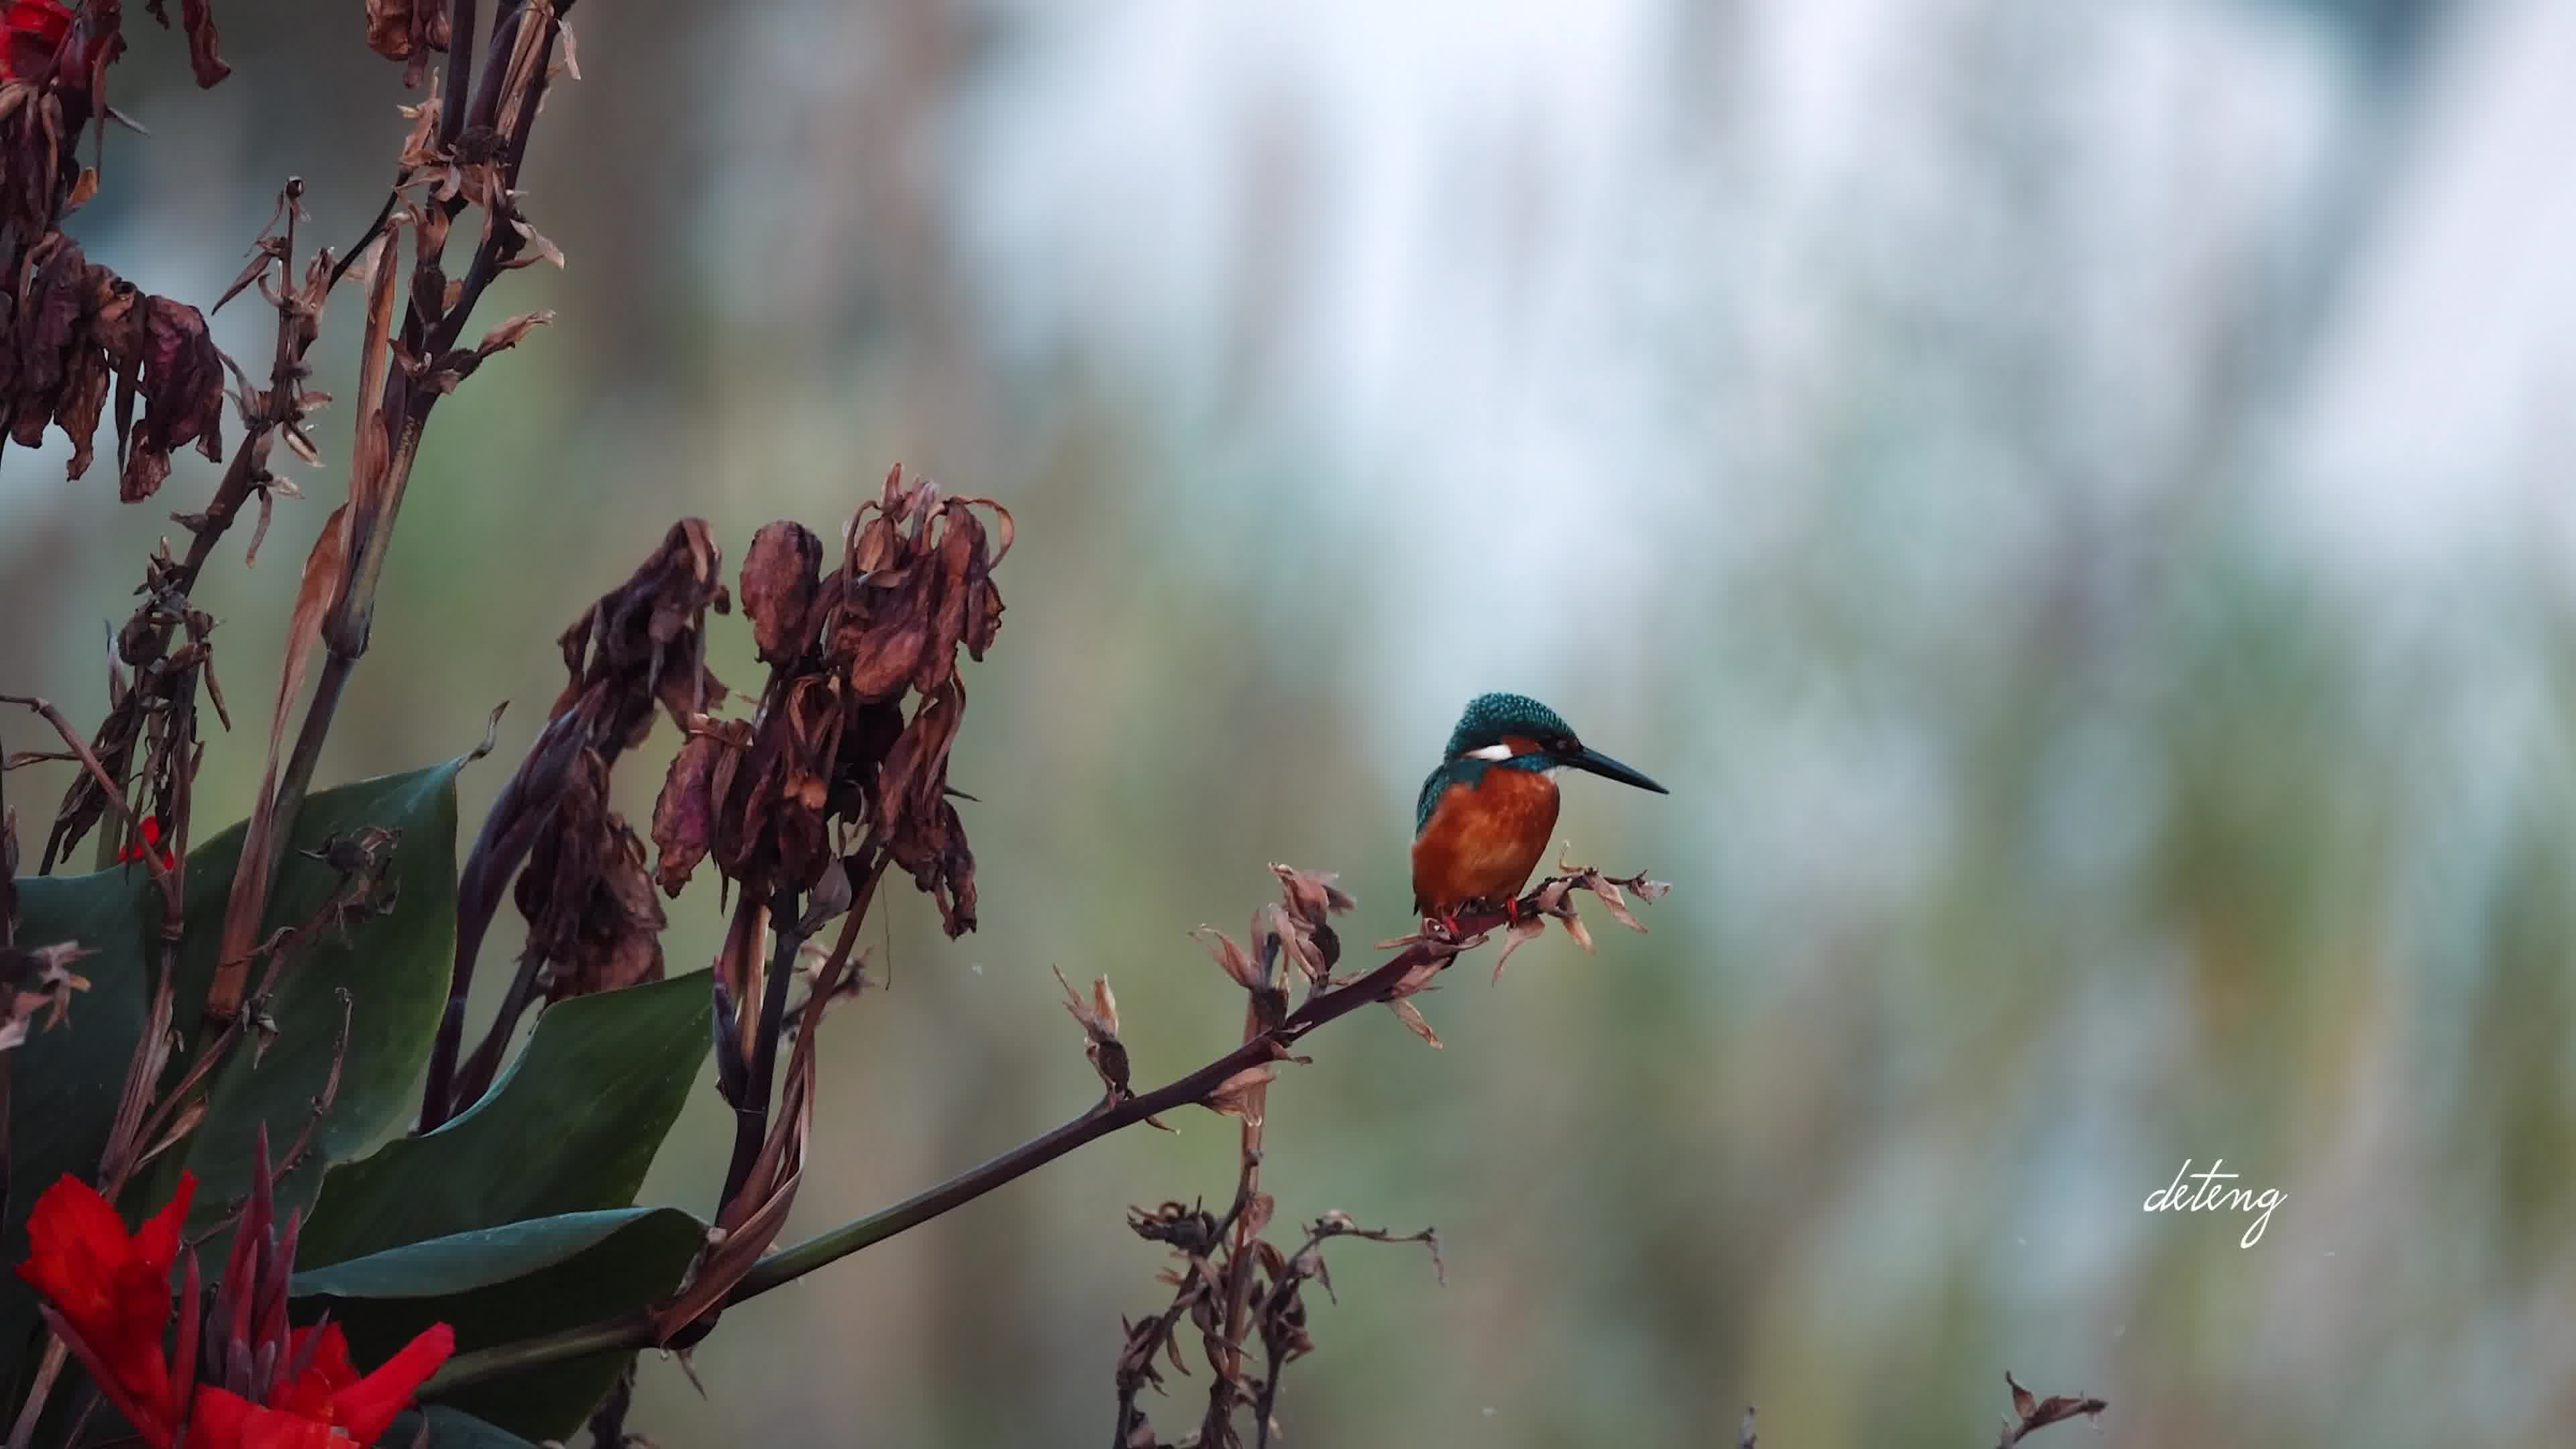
222 1419
74 1239
158 1243
367 1408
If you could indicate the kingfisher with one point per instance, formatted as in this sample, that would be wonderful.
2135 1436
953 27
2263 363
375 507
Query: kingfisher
1485 815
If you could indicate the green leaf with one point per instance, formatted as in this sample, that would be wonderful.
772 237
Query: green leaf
571 1127
395 968
450 1429
65 1082
499 1285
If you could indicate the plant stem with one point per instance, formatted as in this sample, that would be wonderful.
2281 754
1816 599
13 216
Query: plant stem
751 1115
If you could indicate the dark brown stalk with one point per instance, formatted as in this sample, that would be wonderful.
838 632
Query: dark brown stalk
751 1113
404 412
518 816
460 69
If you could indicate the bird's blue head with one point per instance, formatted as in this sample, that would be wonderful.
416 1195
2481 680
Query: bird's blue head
1529 735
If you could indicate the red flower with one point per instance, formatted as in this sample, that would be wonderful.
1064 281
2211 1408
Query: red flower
112 1291
152 839
331 1393
110 1296
34 30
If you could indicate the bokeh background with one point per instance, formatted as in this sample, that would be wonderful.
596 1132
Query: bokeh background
2070 496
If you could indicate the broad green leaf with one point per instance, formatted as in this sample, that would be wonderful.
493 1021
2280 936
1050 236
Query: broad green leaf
500 1285
65 1082
570 1128
395 969
450 1429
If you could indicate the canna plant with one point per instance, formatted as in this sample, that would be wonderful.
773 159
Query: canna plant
301 977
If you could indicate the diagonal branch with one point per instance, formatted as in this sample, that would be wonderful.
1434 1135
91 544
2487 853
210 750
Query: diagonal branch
1398 976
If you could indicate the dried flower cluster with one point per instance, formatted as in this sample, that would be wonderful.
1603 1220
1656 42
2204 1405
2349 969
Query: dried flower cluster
1216 1253
71 325
830 751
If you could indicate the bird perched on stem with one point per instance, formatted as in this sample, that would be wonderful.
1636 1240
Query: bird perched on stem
1485 815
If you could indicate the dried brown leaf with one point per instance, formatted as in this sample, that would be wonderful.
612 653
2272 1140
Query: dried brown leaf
1411 1016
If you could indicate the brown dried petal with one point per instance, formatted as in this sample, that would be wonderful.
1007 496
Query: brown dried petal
778 589
1236 1095
884 657
644 642
620 935
197 18
1520 933
1581 933
1310 894
401 29
1608 891
511 333
1411 1016
173 364
684 813
1230 956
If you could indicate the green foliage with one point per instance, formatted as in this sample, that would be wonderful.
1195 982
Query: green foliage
498 1285
572 1127
395 967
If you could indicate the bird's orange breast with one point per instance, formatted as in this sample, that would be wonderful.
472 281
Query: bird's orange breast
1484 839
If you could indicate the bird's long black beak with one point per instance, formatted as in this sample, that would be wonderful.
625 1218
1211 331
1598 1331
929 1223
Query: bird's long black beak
1602 765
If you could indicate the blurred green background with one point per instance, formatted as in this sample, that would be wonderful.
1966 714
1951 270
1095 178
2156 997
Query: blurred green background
2070 496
